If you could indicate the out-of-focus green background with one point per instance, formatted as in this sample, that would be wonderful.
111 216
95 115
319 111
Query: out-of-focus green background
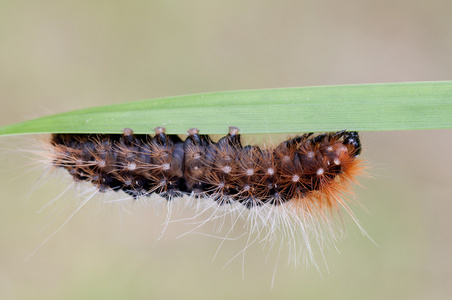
58 56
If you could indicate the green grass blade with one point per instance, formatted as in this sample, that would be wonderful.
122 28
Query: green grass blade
393 106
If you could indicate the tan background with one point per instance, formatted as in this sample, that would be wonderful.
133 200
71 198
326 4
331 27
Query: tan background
59 56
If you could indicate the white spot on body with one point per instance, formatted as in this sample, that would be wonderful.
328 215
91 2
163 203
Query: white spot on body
270 171
249 172
166 166
131 166
337 161
320 171
295 178
340 149
226 169
101 163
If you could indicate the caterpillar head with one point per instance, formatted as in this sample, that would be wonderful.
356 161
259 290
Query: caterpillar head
352 138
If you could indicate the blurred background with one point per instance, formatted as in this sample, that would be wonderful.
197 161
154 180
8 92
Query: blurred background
60 56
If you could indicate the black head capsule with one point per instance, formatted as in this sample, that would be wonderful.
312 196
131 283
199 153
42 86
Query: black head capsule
352 138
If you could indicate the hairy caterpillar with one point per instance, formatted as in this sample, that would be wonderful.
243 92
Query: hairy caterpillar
292 191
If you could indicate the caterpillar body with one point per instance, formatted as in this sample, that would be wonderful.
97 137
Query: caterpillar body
295 188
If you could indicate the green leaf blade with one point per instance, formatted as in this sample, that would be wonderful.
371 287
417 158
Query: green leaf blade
367 107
